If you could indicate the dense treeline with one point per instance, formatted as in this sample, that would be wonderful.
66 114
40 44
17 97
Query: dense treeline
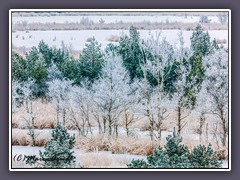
41 59
145 74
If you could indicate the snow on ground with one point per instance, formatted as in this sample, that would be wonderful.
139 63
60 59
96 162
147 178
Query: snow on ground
78 38
136 132
110 19
225 164
45 133
100 159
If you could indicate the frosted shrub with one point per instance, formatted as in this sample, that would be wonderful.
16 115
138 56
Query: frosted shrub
57 152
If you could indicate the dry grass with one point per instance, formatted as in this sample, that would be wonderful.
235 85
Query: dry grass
130 145
20 137
102 160
45 116
93 143
138 144
113 38
144 25
23 50
168 124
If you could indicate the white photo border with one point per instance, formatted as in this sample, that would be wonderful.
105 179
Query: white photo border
118 10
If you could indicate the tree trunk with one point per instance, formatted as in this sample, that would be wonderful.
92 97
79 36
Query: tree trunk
104 125
207 132
58 109
109 125
89 126
31 130
116 130
126 122
159 130
202 121
99 127
64 117
179 120
224 128
160 109
79 131
151 125
179 105
27 108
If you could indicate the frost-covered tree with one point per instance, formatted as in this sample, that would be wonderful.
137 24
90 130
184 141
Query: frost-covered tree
80 106
203 109
111 93
54 73
145 96
27 97
215 88
16 97
160 68
58 92
130 107
204 19
180 98
27 94
222 17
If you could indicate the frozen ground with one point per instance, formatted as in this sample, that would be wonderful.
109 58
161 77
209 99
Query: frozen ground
135 132
78 38
101 159
110 19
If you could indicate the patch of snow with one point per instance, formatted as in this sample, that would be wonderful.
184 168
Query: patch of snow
78 38
17 151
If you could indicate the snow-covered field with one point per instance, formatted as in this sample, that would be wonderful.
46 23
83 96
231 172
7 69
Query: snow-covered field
102 159
96 159
111 19
78 38
136 132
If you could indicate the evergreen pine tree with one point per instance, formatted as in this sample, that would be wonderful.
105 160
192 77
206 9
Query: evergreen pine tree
18 68
200 41
201 47
205 157
58 151
91 60
46 52
130 50
177 155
